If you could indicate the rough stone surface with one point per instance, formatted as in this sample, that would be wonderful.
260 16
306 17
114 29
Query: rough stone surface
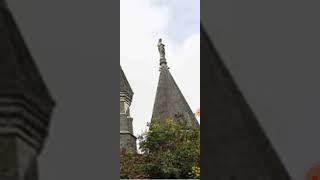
235 144
128 142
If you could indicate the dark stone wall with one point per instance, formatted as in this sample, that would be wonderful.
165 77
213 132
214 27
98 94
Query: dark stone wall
32 172
25 104
128 142
16 157
231 136
9 169
123 123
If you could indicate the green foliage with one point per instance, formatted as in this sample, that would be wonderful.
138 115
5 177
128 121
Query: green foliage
171 150
130 165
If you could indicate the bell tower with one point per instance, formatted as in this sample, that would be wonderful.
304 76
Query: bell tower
25 104
127 139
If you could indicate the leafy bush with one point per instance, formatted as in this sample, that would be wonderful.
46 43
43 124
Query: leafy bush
130 165
171 150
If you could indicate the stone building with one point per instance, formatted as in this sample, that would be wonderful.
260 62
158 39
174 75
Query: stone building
127 139
25 104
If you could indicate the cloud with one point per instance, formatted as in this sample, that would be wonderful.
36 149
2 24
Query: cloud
141 24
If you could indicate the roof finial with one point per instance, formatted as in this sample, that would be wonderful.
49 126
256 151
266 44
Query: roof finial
162 53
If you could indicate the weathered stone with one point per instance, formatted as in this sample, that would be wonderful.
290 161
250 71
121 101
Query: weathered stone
127 139
169 101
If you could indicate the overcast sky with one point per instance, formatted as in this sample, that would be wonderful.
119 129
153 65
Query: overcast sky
142 23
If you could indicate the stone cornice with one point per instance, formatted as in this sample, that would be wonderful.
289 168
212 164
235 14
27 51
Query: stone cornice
127 132
124 97
18 116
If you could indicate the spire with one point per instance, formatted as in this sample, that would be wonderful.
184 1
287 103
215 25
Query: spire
169 101
125 87
18 71
127 139
25 104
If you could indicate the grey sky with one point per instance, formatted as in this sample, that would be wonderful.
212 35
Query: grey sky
185 17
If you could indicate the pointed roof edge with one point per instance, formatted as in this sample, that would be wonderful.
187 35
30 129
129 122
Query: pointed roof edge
173 90
124 84
173 93
22 53
240 96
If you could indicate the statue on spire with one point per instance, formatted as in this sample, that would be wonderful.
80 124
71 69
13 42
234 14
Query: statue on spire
161 49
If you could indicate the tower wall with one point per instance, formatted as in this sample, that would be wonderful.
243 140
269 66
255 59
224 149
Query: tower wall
17 158
25 104
33 172
128 142
124 125
127 139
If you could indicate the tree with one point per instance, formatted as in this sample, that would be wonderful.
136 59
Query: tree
130 165
171 150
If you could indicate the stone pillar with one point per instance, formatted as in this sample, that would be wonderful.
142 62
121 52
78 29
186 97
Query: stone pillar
22 135
127 139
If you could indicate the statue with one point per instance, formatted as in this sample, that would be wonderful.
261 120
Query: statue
161 49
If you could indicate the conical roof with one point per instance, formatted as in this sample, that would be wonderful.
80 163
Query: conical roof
233 139
124 84
19 75
169 100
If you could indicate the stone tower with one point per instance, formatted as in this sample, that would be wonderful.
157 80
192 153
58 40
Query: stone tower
127 139
25 104
233 140
169 101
